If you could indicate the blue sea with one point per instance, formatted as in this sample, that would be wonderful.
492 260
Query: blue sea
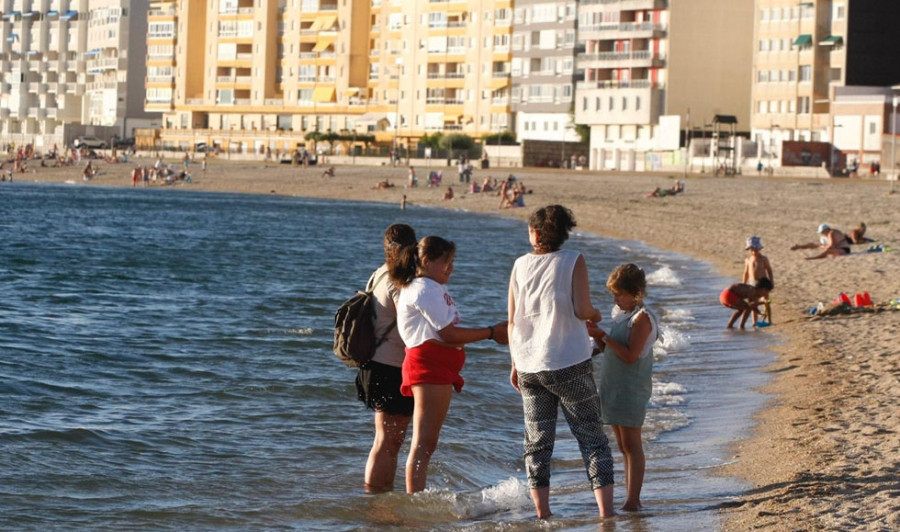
165 364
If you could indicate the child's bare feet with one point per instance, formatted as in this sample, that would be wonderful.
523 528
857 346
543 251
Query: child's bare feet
632 507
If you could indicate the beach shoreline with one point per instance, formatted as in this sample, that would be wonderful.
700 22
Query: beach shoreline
823 452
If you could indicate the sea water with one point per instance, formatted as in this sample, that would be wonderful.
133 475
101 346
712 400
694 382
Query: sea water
165 364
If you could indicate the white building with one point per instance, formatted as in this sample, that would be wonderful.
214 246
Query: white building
48 69
116 65
653 69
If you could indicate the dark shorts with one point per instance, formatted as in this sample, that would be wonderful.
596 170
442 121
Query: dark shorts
378 386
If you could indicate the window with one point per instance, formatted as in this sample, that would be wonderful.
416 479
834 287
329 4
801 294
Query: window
805 73
803 105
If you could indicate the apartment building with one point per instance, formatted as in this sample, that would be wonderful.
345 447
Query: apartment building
61 69
249 75
115 65
803 52
655 68
41 69
543 69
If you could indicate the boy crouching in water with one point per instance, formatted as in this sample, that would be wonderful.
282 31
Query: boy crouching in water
744 299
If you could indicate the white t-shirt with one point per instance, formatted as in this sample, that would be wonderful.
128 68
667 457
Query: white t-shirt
425 307
546 334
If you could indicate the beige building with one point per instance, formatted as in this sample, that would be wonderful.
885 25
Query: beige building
250 75
804 52
653 69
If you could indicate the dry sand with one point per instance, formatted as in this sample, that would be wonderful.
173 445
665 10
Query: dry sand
824 454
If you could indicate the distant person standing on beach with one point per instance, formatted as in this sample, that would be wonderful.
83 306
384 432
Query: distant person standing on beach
428 320
549 302
378 381
756 266
626 372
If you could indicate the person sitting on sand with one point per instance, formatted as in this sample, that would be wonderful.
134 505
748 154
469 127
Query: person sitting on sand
329 172
486 185
506 195
744 299
383 185
832 242
449 194
858 235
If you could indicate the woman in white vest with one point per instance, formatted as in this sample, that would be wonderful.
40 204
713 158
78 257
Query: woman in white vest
549 305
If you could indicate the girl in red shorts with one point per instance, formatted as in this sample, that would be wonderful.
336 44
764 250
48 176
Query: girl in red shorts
428 322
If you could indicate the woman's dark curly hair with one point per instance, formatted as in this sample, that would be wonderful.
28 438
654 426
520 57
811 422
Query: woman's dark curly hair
552 223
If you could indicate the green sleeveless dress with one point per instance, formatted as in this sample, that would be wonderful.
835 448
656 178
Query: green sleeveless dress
625 388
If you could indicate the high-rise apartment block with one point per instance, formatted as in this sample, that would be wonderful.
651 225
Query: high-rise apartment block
543 69
70 63
653 68
803 51
254 74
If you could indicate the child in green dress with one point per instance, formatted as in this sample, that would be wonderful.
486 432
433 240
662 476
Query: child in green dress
626 369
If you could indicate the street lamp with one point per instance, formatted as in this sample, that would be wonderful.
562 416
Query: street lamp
773 129
399 63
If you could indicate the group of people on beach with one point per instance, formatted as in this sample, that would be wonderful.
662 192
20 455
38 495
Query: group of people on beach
552 331
757 281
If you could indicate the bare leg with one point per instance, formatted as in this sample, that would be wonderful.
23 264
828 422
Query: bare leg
381 468
541 498
431 404
604 497
630 443
810 245
734 318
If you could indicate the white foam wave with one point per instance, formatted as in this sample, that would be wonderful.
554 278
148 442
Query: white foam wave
671 339
667 394
664 276
678 315
509 493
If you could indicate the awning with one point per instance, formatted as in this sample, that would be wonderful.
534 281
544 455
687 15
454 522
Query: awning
36 15
323 94
13 37
803 40
52 13
353 90
90 53
324 42
69 15
370 119
325 23
833 40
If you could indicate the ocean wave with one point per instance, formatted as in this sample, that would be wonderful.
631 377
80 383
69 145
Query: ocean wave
667 394
677 314
671 339
664 276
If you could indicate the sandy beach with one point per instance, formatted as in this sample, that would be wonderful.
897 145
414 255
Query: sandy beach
825 452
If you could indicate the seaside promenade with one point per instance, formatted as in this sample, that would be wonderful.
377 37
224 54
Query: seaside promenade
823 455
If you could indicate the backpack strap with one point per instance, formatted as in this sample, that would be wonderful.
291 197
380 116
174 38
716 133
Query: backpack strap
370 286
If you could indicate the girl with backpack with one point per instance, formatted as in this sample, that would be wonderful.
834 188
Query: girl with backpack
378 380
428 321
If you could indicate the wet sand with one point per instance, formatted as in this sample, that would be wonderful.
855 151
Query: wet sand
824 453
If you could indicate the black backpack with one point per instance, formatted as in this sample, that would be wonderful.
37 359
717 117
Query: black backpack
354 327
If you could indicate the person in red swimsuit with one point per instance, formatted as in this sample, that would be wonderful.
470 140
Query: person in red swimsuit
745 299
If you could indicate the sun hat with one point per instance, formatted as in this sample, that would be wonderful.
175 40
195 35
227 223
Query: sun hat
823 228
753 243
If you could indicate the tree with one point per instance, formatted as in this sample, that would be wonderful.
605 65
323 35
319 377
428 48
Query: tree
504 138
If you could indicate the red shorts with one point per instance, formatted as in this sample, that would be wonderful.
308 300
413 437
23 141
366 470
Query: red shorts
431 363
729 299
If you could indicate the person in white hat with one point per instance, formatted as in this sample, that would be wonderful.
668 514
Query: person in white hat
757 266
832 242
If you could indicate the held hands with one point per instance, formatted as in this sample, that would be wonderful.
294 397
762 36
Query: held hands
599 336
501 332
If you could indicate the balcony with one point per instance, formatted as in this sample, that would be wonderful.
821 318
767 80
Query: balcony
622 30
633 59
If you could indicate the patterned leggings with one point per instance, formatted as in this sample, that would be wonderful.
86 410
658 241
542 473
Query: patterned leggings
574 390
